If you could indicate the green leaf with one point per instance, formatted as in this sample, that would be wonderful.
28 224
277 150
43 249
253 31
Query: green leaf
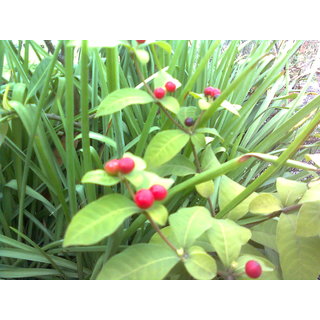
308 223
164 146
299 256
312 194
200 265
227 237
179 166
140 262
199 141
164 45
190 223
228 190
168 233
99 137
210 131
98 220
145 179
142 55
100 177
265 203
171 104
158 213
208 159
119 99
205 189
290 191
265 233
188 112
233 108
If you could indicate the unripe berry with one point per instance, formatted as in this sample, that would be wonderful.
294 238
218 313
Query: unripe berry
189 122
253 269
159 192
141 41
126 165
144 199
112 167
170 86
159 93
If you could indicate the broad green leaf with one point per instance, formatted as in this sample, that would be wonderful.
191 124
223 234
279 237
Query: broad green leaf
98 220
290 191
162 78
204 104
119 99
179 166
145 179
313 157
199 141
265 234
140 262
168 233
308 223
205 189
266 265
312 194
190 223
171 104
142 55
299 256
265 203
164 146
199 264
158 213
188 112
210 131
233 108
228 190
208 159
100 177
227 238
204 242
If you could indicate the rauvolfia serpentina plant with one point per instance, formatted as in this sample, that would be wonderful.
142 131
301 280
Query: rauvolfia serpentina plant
189 163
193 241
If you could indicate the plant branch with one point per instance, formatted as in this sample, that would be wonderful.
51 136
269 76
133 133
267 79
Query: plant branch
164 238
289 209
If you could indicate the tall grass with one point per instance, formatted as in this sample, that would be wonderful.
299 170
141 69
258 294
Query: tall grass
49 137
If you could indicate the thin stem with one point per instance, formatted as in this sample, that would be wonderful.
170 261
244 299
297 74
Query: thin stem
164 238
275 214
126 182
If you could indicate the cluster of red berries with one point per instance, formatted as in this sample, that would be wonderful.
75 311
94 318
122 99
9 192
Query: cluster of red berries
124 165
212 92
145 198
253 269
159 93
141 41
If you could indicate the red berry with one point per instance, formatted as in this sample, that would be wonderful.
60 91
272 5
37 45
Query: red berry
126 165
189 122
159 93
210 91
141 41
112 167
253 269
144 199
159 192
170 86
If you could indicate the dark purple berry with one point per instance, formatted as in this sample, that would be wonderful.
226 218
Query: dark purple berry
189 122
